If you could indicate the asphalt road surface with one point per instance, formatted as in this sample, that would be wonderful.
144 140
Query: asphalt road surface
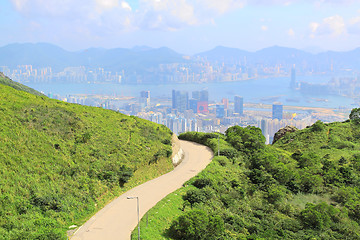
117 219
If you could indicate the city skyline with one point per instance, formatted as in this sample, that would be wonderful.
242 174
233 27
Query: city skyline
185 26
179 117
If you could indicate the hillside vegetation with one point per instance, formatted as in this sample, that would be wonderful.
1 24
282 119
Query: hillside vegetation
305 186
60 162
18 86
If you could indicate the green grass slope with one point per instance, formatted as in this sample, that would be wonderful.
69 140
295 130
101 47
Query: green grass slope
8 82
305 186
60 162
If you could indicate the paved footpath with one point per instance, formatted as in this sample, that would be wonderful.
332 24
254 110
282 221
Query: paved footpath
117 219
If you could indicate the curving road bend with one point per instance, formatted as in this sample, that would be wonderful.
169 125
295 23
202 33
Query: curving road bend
117 219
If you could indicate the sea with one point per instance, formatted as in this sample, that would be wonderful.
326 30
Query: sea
262 90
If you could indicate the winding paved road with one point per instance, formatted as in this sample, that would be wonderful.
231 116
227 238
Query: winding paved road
117 219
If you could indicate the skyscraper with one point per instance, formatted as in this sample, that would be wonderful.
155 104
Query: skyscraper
239 105
277 111
193 105
145 98
225 101
204 96
196 95
265 130
220 111
174 99
180 100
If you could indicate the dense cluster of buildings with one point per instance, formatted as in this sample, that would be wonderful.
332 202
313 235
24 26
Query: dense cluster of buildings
184 111
194 112
80 74
193 72
197 114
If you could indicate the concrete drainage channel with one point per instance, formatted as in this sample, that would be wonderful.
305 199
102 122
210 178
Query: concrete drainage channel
178 153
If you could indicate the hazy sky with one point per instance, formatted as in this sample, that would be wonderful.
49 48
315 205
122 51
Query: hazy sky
187 26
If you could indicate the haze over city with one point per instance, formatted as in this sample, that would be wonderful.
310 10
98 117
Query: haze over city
186 26
253 103
267 52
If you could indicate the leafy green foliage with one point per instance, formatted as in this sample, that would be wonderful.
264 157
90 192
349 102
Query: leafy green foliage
8 82
245 140
355 115
306 188
318 126
60 162
320 216
197 196
197 225
202 182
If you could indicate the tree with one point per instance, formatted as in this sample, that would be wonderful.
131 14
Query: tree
124 174
197 196
355 115
319 216
197 225
318 126
247 139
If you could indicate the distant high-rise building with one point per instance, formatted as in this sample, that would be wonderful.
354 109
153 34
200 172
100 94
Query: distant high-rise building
204 96
145 94
196 95
265 130
264 127
201 99
183 125
174 100
225 101
193 125
277 111
293 83
202 107
180 100
193 105
239 105
145 98
220 111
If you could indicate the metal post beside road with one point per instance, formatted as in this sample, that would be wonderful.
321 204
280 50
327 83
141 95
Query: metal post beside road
138 214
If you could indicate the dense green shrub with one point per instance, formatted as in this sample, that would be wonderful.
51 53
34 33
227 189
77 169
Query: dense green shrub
197 196
197 225
309 160
319 216
318 126
202 138
276 193
202 182
229 153
355 115
124 174
246 140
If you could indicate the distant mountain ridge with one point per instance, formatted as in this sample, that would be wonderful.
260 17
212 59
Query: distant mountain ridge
282 55
141 58
45 54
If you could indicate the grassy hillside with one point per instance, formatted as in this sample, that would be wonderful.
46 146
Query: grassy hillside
305 186
60 162
8 82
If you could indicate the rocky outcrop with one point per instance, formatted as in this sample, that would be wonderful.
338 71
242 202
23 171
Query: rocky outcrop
282 131
178 153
